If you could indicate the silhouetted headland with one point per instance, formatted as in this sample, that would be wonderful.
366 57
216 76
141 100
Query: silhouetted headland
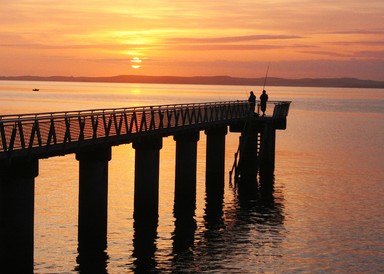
210 80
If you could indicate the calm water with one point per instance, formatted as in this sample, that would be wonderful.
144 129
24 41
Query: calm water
326 214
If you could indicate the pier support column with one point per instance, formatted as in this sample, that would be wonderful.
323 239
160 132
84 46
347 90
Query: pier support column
248 164
147 160
267 163
215 170
17 190
185 177
248 157
93 200
215 158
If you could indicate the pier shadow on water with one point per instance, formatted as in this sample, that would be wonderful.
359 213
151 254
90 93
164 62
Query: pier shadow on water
261 189
252 223
145 245
260 193
92 261
251 216
92 252
183 235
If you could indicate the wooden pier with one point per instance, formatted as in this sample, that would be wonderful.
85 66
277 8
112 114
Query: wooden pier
90 134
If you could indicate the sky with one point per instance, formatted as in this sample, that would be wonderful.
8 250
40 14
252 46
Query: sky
239 38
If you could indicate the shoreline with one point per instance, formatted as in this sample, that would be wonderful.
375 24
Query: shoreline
209 80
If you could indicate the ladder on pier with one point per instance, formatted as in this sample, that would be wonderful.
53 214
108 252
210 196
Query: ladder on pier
235 172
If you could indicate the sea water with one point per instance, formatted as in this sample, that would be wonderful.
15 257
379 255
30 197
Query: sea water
326 213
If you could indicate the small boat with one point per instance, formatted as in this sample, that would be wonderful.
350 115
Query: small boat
35 89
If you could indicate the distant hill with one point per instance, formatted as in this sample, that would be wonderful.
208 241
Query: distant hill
210 80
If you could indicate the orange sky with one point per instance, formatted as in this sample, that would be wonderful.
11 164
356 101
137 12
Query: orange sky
298 38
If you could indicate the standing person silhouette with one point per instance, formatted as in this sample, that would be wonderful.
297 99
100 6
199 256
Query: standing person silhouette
263 101
252 102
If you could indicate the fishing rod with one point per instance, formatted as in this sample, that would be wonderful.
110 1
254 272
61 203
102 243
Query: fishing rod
245 90
266 75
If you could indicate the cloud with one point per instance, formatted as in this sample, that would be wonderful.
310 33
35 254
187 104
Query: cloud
359 31
229 43
362 43
216 47
70 47
233 39
326 53
378 55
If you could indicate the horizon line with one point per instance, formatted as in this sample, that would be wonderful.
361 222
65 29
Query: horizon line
351 82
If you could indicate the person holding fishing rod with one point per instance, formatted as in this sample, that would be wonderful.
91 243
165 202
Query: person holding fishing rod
263 101
264 95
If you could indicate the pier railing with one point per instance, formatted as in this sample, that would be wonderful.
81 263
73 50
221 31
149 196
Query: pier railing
59 133
47 132
281 109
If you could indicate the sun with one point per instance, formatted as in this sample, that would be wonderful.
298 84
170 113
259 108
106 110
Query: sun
136 62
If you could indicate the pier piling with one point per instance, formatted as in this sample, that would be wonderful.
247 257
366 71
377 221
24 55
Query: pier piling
267 159
147 161
214 175
185 172
215 159
17 189
249 162
93 199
